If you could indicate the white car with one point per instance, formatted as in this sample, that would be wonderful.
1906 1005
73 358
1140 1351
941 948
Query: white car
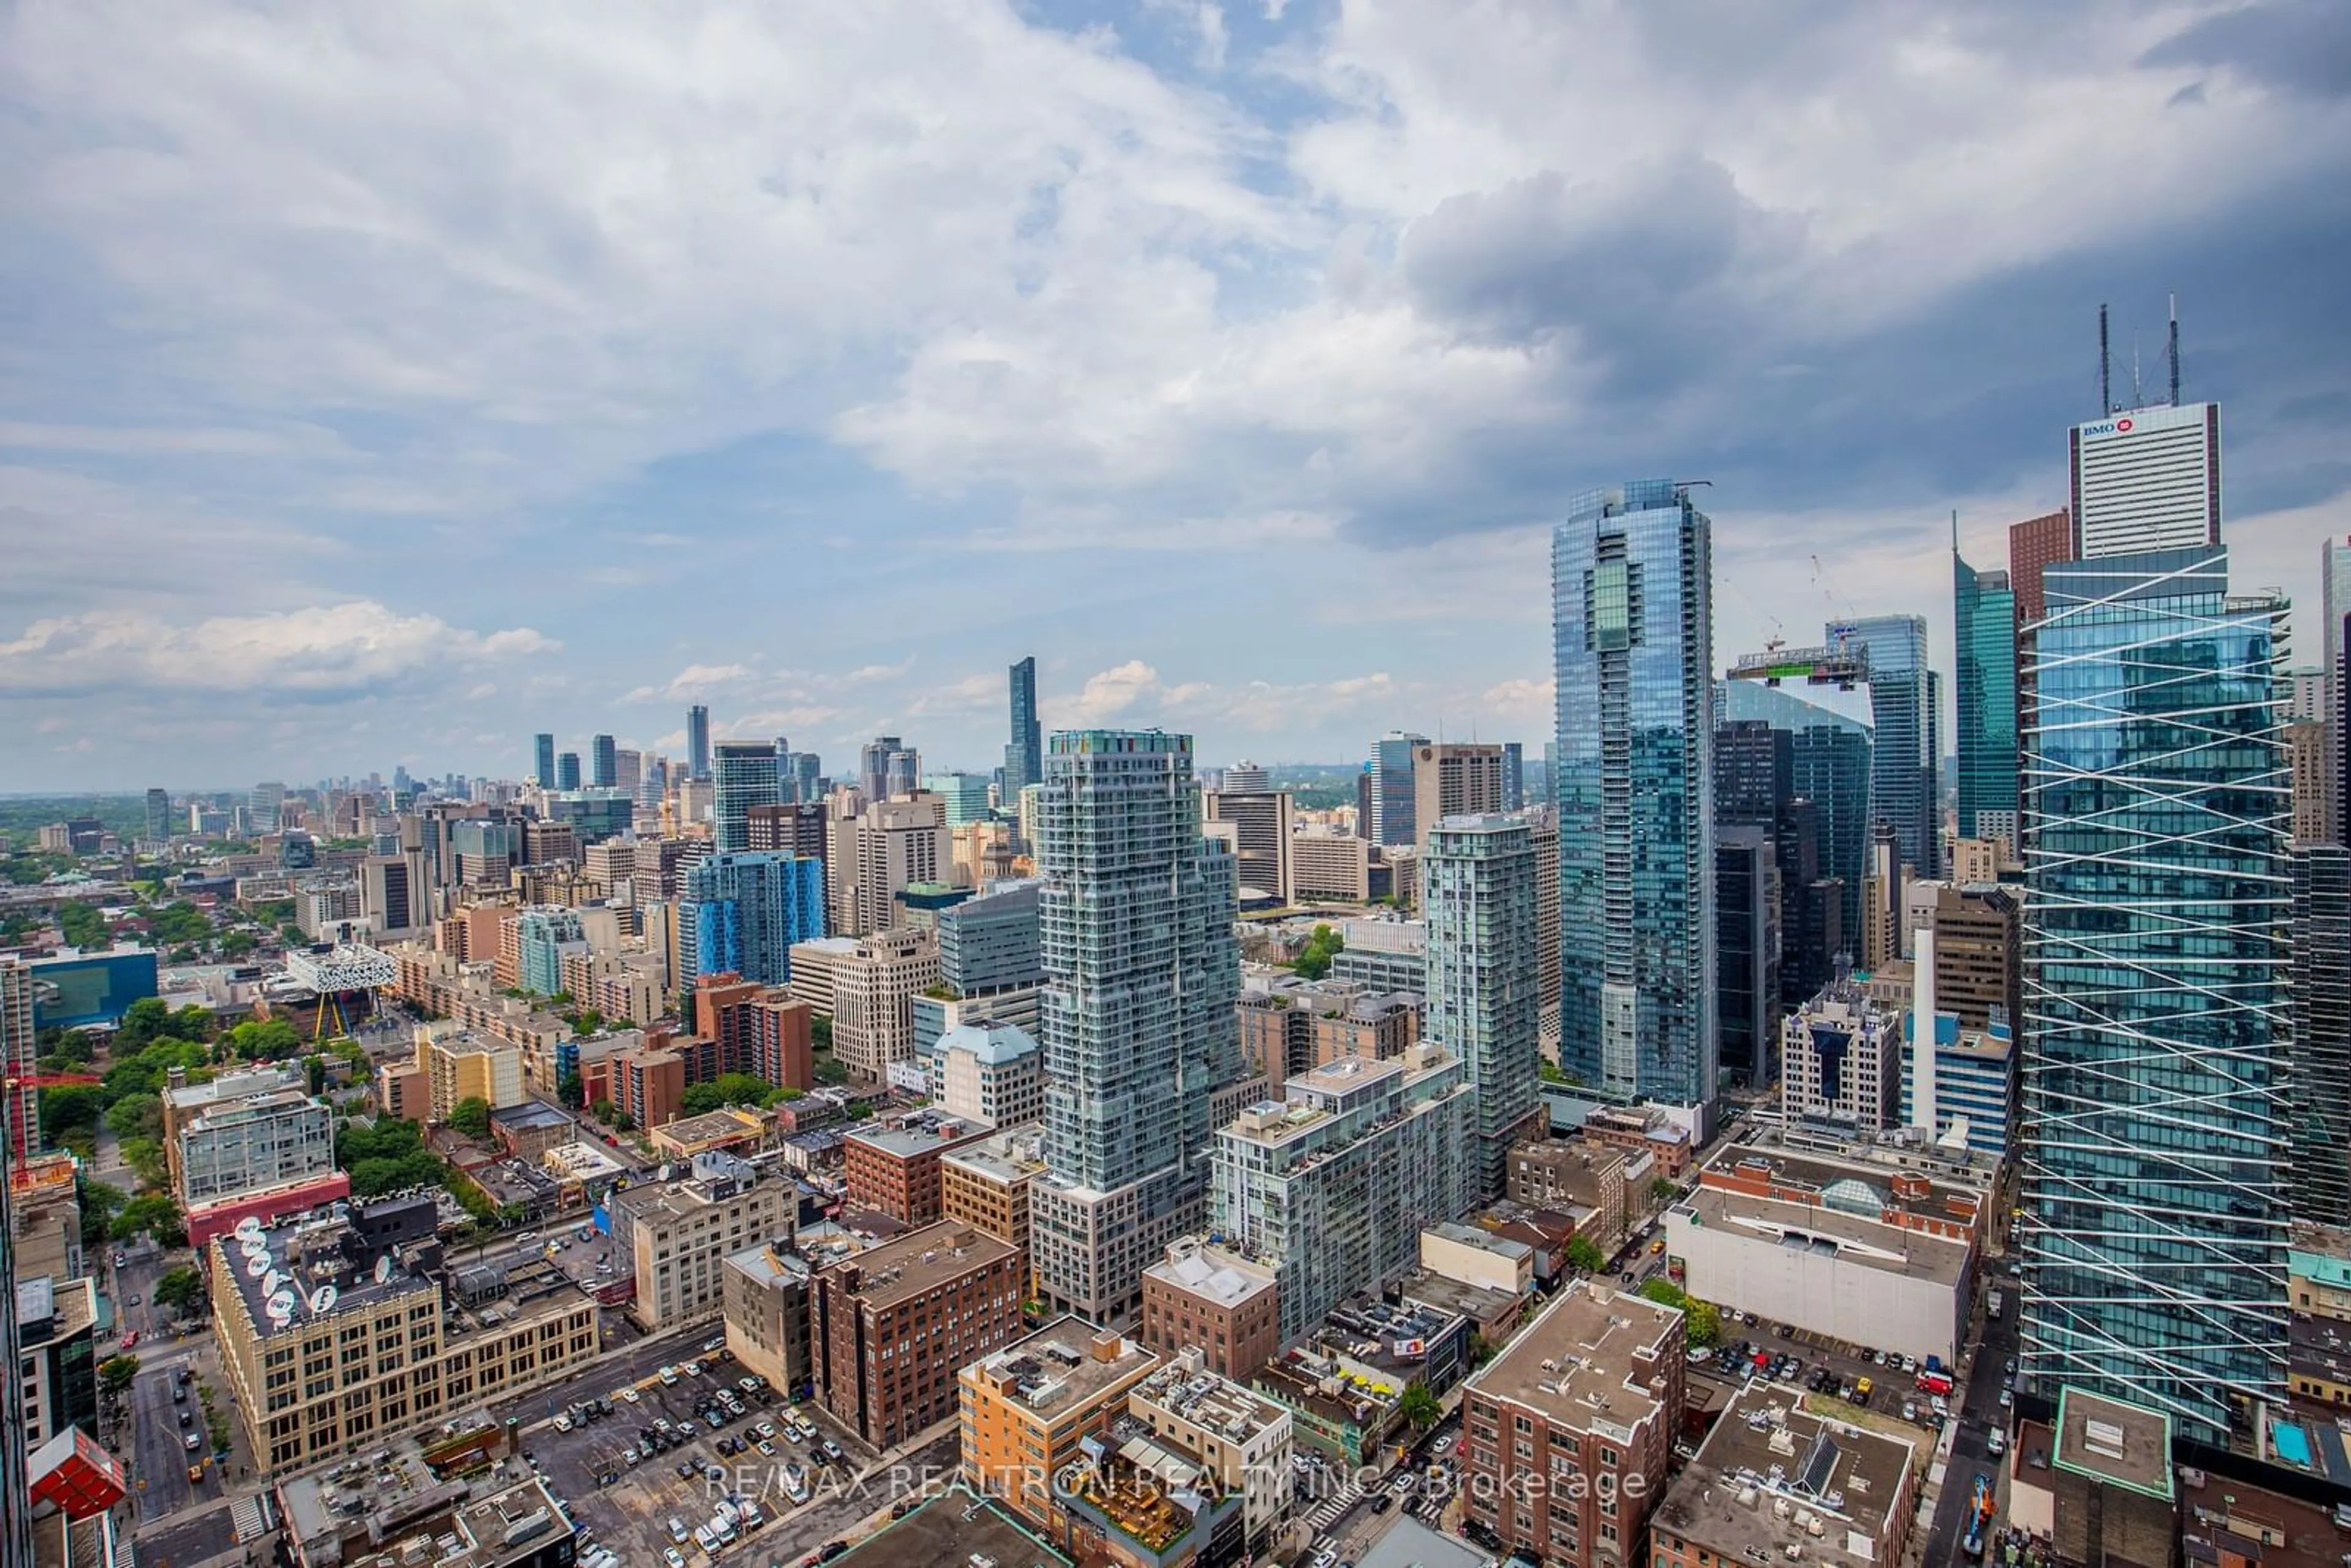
673 1557
669 1374
631 1394
563 1423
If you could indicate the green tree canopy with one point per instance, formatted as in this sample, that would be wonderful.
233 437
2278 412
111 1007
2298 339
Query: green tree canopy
1705 1327
1585 1253
68 1107
117 1373
81 926
1420 1407
1314 960
263 1040
729 1089
136 1116
153 1213
571 1091
1663 1291
471 1116
181 1287
179 922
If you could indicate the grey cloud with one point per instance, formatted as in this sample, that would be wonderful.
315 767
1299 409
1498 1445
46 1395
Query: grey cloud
2294 46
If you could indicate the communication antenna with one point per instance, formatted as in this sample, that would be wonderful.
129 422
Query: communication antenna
2105 368
2138 390
2175 351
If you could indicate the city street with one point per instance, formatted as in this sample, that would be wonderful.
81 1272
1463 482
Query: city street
1979 1413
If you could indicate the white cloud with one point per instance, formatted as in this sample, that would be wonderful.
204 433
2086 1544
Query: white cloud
1133 695
327 648
694 682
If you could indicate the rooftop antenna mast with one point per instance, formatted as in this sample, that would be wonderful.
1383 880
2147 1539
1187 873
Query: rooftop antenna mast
2138 388
2106 369
2175 351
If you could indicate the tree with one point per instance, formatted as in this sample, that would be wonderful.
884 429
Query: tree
1663 1191
587 1023
471 1116
727 1088
1585 1253
136 1116
314 1073
1314 960
570 1092
1665 1293
292 936
238 943
1705 1325
181 1287
145 1155
117 1373
1420 1407
81 926
70 1106
265 1040
603 1111
820 1031
155 1214
98 1201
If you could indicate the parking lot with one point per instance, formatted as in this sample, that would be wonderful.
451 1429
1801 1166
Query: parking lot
626 1502
1818 1364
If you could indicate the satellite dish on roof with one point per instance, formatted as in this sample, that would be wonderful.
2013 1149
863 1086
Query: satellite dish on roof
254 1268
274 1281
280 1306
322 1301
249 1226
384 1269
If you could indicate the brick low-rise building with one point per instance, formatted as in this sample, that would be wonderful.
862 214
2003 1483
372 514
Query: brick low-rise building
891 1326
1592 1389
1203 1295
895 1167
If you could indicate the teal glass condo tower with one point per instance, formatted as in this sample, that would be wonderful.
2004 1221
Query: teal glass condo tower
1632 629
2156 812
1983 618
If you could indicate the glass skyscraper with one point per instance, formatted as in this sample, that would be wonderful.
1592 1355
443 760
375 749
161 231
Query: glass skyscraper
1484 993
1024 754
1137 1010
746 778
1906 713
2320 1105
603 763
543 761
743 911
697 740
1391 790
1983 613
1633 629
2156 807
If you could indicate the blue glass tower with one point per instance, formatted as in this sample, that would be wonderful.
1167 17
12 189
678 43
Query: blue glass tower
603 763
2156 936
1633 628
1983 618
746 778
1906 713
1024 754
542 770
746 909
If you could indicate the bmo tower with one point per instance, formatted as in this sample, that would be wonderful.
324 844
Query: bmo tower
2147 480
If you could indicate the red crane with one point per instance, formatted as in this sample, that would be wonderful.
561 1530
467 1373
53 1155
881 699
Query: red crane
19 1136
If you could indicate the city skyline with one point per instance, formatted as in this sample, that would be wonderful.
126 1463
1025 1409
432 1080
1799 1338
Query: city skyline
1329 313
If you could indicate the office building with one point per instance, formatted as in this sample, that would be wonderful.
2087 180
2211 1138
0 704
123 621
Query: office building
1029 1409
744 778
963 795
2157 945
1211 1298
743 912
1332 1186
1841 1063
1979 950
764 1299
1592 1387
567 770
264 806
867 984
1514 776
1905 720
992 1072
991 944
1327 863
603 763
1024 754
892 1166
697 741
340 1340
1747 898
2034 546
1783 1479
1484 1000
2306 744
1454 779
2318 1105
2147 480
1264 825
1631 580
891 1326
1975 1083
1392 821
886 767
987 1184
159 817
543 761
244 1133
57 1322
1580 1176
676 1236
1141 971
1984 627
898 843
460 1065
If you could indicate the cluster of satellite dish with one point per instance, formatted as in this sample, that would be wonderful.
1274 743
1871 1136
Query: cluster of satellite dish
280 1298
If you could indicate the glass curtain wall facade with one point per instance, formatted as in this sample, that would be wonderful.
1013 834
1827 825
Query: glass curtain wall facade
1391 822
746 778
749 907
1142 967
2320 1103
1905 714
1484 993
1024 754
2158 933
1984 618
697 740
542 761
1633 631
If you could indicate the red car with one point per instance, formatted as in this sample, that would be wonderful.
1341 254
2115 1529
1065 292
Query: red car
130 1338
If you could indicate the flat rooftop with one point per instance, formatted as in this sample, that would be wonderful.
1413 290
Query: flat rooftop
2223 1518
1212 1274
906 1266
1850 1238
301 1267
953 1528
1205 1398
1840 1482
1409 1544
926 1135
532 1114
710 1127
1949 1180
1484 1241
1065 1364
1007 1157
1589 1357
2109 1440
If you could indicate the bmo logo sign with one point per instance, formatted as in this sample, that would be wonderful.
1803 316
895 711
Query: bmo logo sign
2122 426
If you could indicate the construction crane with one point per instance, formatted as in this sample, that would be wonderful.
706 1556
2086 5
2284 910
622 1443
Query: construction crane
19 1139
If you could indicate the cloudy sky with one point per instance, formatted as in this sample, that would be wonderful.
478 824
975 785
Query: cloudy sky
383 384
